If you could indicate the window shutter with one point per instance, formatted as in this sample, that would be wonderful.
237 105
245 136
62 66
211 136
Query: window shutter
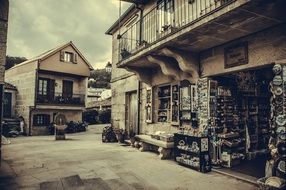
51 89
75 58
62 56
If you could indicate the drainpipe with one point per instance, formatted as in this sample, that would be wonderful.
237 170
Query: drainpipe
138 106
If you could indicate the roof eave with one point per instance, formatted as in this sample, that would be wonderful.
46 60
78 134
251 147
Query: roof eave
116 23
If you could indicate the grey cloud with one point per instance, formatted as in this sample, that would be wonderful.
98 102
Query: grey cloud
38 25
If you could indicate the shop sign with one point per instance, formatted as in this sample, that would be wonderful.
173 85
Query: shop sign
236 55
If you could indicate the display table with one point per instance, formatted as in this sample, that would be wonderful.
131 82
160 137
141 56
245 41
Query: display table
164 148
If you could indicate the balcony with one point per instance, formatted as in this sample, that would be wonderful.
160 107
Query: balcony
62 99
194 26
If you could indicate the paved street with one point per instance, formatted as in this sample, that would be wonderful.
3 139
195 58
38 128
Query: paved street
83 162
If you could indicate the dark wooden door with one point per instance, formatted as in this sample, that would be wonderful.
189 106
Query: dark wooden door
7 112
67 89
131 112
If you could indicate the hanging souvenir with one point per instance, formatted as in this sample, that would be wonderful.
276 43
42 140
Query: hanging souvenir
279 109
278 91
279 100
281 132
277 80
281 120
277 69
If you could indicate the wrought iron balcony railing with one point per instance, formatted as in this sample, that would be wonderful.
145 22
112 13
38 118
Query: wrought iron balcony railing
166 18
62 99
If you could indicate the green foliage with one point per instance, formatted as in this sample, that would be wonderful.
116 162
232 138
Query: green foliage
101 79
11 61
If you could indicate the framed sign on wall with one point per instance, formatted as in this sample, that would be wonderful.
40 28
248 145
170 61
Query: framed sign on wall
236 55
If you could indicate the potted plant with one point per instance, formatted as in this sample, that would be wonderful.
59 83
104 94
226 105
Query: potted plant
132 137
124 53
120 135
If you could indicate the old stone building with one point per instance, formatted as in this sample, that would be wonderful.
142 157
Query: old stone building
48 85
4 9
176 62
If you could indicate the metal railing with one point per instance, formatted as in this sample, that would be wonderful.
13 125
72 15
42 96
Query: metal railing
166 18
62 99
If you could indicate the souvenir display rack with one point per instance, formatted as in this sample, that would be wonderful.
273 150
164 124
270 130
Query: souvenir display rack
175 104
239 117
149 105
164 103
277 141
230 132
188 107
192 152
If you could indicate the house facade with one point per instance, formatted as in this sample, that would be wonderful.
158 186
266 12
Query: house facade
50 84
204 67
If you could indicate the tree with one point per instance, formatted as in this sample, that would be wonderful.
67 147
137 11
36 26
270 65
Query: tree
13 60
101 79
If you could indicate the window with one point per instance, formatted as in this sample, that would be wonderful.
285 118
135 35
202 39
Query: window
41 120
68 57
46 89
43 87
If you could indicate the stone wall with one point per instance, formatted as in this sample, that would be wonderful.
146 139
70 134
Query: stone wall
4 9
23 77
264 48
43 130
118 101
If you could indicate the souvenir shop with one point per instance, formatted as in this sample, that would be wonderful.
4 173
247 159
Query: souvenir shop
242 114
239 114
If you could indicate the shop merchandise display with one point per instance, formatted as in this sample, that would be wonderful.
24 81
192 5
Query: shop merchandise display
202 88
238 117
175 104
188 109
277 143
192 152
164 105
149 105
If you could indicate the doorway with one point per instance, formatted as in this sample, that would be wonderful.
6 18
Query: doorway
7 105
241 108
131 113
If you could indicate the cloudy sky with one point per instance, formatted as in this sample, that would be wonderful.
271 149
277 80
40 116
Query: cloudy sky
36 26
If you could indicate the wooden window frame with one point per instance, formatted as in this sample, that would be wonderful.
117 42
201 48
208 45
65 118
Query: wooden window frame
40 120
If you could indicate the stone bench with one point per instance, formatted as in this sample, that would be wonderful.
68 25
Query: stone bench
164 148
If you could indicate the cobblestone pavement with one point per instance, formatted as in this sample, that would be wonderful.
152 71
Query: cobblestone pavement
83 162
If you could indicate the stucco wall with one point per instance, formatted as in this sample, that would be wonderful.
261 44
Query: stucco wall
53 63
23 78
264 48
